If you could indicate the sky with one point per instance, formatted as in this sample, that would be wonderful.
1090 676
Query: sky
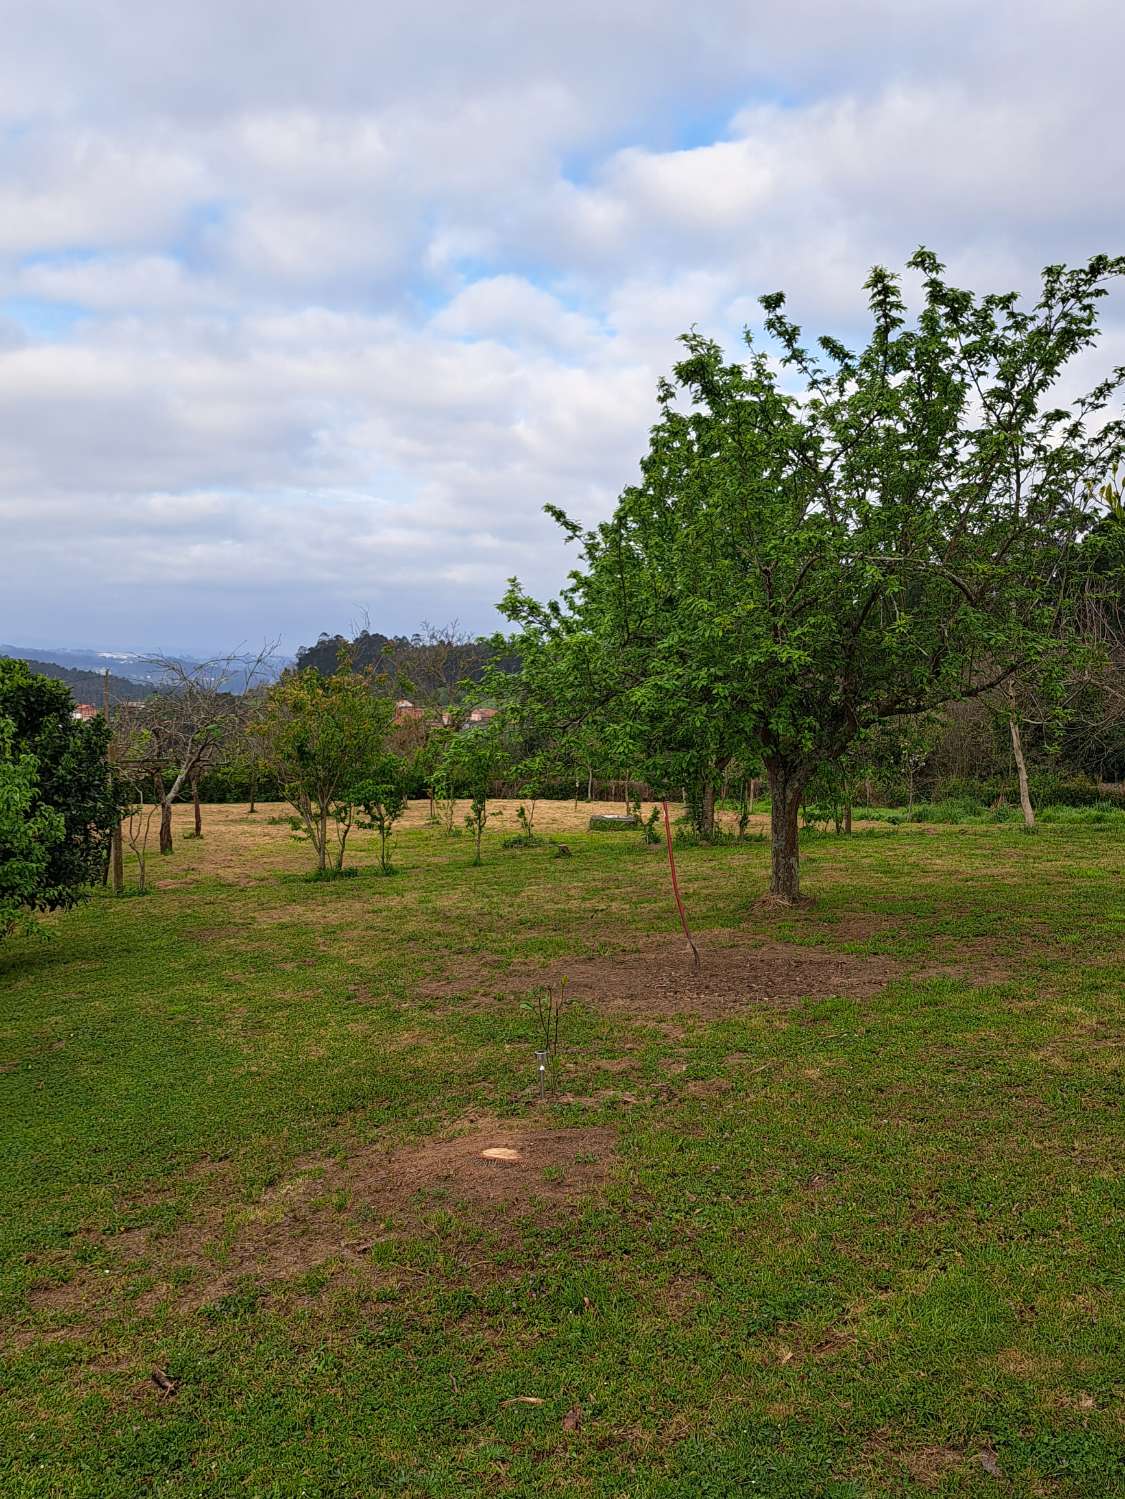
307 311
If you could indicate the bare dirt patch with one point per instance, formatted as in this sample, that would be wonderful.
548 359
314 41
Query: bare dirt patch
660 980
328 1212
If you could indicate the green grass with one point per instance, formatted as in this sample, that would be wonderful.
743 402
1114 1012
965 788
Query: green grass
1102 814
848 1248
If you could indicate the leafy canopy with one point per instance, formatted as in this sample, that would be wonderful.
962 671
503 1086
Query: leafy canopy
795 566
324 736
59 795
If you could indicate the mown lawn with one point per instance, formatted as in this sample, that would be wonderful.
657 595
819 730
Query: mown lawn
841 1246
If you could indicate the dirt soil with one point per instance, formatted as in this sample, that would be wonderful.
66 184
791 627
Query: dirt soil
310 1218
660 980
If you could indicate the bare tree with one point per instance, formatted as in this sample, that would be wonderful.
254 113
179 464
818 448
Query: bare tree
174 738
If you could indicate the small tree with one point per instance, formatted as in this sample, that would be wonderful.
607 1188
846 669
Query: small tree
384 798
138 824
474 760
323 737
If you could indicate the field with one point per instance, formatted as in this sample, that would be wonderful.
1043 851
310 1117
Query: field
838 1217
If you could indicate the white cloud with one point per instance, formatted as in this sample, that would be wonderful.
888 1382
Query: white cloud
354 298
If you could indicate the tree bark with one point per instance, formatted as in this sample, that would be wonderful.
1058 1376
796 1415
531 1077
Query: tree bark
253 791
786 786
165 816
1021 765
118 861
196 808
847 817
707 810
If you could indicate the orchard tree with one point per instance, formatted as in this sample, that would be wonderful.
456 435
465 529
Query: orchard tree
59 797
197 719
384 797
474 759
797 566
324 737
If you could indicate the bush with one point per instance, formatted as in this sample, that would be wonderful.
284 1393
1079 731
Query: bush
1049 788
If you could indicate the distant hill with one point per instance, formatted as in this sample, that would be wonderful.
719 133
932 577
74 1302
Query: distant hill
85 686
125 664
130 666
428 666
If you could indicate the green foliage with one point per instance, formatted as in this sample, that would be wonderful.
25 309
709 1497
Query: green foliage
29 833
60 798
383 796
792 570
474 759
1048 789
323 737
526 837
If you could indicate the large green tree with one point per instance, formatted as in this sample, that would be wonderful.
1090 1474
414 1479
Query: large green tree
59 801
823 540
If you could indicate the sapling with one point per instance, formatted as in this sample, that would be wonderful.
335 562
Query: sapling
525 816
548 1014
476 819
384 799
443 797
526 837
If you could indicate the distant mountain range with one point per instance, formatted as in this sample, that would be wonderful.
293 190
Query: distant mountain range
85 686
132 674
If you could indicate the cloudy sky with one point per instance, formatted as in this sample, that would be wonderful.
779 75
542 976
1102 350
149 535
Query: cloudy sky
308 309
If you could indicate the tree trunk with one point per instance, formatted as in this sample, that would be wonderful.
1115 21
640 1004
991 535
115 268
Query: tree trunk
786 786
196 807
118 861
590 784
162 797
707 810
1021 765
253 791
848 816
753 794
